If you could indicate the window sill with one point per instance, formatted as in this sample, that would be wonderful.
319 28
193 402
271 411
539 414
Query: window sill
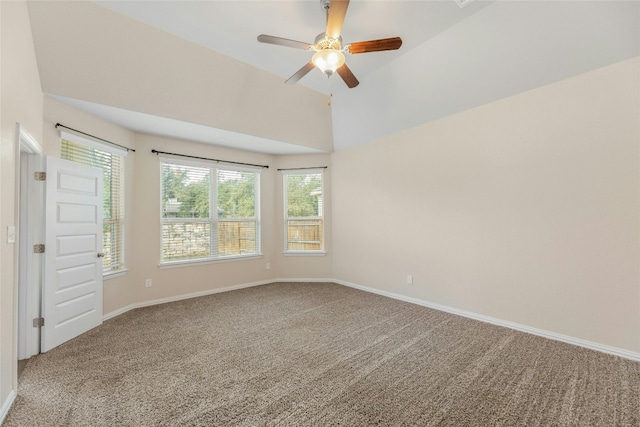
304 253
189 263
114 274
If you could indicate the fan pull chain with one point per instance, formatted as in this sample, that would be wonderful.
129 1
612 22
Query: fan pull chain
330 92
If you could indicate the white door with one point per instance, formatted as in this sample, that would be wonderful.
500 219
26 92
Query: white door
72 283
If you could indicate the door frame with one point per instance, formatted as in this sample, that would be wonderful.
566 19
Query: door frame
29 201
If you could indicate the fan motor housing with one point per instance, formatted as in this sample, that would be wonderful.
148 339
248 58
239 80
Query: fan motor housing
323 42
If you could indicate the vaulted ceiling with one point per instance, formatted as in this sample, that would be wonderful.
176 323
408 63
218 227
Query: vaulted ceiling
194 69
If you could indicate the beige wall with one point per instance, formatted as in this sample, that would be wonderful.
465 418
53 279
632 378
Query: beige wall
196 278
525 210
134 66
21 102
175 281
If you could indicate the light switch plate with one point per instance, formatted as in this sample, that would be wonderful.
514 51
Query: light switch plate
11 233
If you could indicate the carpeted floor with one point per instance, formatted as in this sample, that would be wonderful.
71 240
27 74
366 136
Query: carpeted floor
312 354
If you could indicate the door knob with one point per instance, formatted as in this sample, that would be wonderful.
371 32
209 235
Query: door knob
100 254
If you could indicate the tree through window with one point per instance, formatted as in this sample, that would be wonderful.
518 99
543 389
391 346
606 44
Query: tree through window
304 211
208 212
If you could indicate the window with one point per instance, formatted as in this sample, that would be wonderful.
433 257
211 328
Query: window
208 212
303 207
111 162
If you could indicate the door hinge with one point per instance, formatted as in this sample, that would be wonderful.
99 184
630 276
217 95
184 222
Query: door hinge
40 176
38 322
38 249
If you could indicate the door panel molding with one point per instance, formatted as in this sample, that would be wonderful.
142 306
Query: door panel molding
72 291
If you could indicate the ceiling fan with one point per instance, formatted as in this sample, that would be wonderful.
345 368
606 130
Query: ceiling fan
329 51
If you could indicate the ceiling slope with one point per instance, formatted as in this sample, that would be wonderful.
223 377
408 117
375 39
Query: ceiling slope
199 64
507 48
232 27
89 53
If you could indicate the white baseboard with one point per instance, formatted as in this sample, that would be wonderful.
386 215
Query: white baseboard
627 354
304 280
518 327
129 307
7 405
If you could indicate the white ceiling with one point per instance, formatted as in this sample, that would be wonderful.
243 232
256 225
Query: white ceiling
452 58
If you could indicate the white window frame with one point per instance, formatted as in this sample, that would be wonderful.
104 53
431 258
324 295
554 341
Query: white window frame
118 268
213 221
287 218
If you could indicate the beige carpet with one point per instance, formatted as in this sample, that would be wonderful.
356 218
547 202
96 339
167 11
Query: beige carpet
311 354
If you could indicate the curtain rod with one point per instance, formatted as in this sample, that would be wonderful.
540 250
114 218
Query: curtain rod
299 169
206 158
92 136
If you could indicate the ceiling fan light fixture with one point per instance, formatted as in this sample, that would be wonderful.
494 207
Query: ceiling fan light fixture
329 51
328 60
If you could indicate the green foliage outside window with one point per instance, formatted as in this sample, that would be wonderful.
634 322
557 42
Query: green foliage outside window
236 195
304 212
208 212
302 195
186 193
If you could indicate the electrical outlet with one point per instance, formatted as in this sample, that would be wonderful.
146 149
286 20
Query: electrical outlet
268 266
409 279
148 283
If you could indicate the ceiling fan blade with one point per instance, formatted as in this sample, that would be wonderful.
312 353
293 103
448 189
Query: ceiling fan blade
347 76
392 43
300 73
335 17
263 38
